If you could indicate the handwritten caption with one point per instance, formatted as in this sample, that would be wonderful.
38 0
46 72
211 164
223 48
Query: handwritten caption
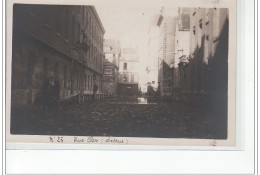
91 139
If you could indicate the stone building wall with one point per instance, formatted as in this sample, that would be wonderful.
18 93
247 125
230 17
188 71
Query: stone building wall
110 78
128 75
204 76
112 51
166 54
152 53
62 42
182 48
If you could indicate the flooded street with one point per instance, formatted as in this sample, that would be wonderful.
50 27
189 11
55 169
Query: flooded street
125 118
156 74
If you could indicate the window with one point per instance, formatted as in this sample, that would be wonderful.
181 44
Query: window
200 23
91 80
83 12
56 68
88 50
58 21
107 48
73 28
194 12
125 66
207 18
45 14
88 81
91 52
90 25
71 81
65 77
125 78
77 79
96 56
95 33
85 78
95 61
45 64
66 22
79 32
87 18
98 59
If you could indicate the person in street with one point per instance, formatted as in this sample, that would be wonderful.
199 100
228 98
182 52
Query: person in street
95 88
50 93
56 89
45 97
149 91
56 92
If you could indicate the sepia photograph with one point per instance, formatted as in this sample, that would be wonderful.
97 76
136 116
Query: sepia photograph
121 71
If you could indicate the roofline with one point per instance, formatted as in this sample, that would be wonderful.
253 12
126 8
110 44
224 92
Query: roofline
92 7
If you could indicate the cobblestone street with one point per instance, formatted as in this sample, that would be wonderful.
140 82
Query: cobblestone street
106 118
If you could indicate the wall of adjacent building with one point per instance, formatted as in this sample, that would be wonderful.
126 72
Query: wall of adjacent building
128 79
166 55
128 66
206 73
110 78
112 50
181 49
152 62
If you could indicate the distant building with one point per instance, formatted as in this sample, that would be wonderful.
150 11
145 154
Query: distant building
112 51
182 48
153 47
128 72
166 54
58 41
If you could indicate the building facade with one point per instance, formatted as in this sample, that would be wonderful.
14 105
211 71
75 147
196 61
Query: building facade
112 51
166 54
153 47
181 49
128 72
206 73
62 42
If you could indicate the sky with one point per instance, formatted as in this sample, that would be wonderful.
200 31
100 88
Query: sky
129 21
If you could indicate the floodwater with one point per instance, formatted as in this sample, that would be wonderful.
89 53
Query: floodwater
139 101
134 117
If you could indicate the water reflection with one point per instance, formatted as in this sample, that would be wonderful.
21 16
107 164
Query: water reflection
142 100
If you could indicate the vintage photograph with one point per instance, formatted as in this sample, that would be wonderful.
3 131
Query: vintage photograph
120 71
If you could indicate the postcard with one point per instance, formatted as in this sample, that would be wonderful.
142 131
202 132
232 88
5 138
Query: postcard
121 72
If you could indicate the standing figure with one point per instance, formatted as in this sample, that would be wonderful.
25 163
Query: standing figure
56 89
46 95
149 92
94 92
56 92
